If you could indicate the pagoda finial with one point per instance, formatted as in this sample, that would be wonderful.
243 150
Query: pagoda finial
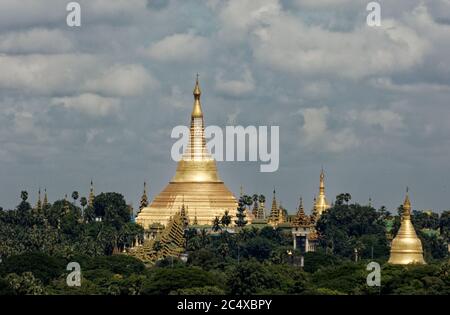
144 198
45 203
39 203
197 110
407 205
322 178
91 195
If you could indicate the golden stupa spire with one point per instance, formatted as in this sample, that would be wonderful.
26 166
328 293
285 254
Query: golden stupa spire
406 248
45 202
39 203
274 210
195 217
91 195
321 203
183 214
144 198
197 110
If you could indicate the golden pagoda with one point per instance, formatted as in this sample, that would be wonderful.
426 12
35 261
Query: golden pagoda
301 219
38 207
406 248
144 198
321 204
274 211
196 179
91 195
45 202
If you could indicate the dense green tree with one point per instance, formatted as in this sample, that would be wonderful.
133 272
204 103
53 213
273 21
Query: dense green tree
444 225
112 208
425 220
313 261
25 284
206 290
240 215
42 266
166 280
343 228
216 225
258 247
226 219
343 198
204 258
83 202
24 207
433 245
252 277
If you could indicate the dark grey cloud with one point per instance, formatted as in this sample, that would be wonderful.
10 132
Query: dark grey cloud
99 102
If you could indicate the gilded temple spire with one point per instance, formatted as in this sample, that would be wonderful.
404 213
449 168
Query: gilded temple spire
39 203
183 214
406 213
274 211
91 195
144 198
321 203
197 110
45 202
301 219
406 247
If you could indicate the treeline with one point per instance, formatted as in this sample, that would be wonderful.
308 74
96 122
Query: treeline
37 244
65 229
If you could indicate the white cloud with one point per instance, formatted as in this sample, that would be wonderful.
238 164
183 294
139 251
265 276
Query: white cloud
329 3
35 41
315 134
239 17
73 73
45 74
388 120
316 89
122 80
90 104
24 13
235 87
289 45
416 88
180 47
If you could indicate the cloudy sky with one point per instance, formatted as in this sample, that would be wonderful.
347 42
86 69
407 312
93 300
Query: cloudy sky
370 104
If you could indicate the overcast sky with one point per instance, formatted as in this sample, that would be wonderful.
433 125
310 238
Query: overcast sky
370 104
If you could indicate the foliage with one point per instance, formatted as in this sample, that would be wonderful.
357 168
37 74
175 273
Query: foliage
166 280
241 209
344 228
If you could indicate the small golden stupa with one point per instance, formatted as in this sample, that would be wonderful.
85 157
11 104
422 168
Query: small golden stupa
321 204
196 182
406 248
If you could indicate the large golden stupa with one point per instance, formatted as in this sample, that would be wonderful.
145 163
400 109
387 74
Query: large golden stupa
406 248
196 184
